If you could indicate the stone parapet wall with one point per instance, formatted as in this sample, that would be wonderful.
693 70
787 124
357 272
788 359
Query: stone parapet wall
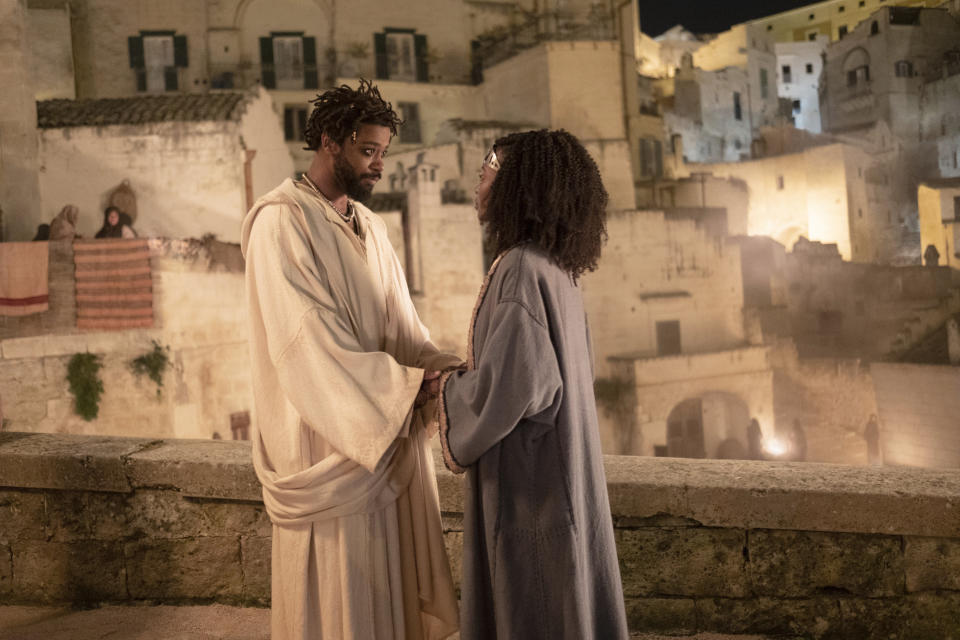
823 551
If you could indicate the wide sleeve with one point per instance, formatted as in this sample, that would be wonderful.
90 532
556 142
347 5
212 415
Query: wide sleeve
516 376
357 400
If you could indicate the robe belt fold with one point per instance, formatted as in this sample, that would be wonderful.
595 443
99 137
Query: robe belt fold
336 486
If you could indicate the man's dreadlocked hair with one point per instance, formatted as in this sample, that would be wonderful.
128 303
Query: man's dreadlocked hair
340 112
548 191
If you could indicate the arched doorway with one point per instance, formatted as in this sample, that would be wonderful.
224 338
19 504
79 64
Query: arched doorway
711 425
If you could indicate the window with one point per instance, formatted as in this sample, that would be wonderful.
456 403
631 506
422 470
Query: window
841 9
288 60
764 84
812 36
668 338
410 129
785 70
842 31
862 3
956 208
859 213
874 28
155 57
401 54
903 68
796 107
809 67
779 183
651 158
737 109
769 27
860 75
294 123
812 16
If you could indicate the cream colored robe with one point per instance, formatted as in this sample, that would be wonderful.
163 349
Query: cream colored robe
338 353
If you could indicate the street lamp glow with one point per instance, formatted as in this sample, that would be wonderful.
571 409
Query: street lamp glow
775 446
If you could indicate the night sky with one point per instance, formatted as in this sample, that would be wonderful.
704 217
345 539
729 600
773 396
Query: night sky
707 16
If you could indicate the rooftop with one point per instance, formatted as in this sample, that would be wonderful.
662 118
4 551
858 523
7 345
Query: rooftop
185 107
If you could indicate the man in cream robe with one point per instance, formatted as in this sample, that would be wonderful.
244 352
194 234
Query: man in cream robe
338 358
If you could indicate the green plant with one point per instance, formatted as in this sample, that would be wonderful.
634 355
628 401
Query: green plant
83 374
612 394
153 363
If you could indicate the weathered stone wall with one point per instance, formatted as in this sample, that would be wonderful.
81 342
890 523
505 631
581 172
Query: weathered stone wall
821 551
919 414
198 314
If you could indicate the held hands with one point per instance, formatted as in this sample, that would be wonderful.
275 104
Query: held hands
429 388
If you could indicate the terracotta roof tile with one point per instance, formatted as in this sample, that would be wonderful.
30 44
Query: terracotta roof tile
180 107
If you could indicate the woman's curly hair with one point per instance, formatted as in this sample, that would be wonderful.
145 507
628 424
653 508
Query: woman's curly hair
548 191
340 112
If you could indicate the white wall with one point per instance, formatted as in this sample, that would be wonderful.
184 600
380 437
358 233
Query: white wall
51 53
187 177
803 84
261 130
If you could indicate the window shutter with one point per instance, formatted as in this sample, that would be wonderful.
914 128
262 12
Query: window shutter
380 55
170 78
420 51
310 63
288 124
302 121
135 46
180 58
141 79
476 63
267 75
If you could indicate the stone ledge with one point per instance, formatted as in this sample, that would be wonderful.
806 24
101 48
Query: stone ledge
736 494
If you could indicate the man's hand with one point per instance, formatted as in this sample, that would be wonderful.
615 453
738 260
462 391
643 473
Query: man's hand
428 389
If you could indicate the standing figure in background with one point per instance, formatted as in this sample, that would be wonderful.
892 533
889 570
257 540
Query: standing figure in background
64 226
539 559
871 433
115 225
798 442
754 440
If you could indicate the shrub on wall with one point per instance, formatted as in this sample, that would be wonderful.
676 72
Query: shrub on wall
153 363
83 374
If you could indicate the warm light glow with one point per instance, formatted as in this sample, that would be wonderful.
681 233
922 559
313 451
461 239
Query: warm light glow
775 446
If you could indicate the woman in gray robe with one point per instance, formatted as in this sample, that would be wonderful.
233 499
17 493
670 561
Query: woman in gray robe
539 559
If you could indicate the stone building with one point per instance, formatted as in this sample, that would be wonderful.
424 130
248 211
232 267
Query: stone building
799 65
939 202
195 162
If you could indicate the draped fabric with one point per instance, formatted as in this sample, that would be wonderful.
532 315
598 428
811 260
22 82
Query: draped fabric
24 288
114 283
338 354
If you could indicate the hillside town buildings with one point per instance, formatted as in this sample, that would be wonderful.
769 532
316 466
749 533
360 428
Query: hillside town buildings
772 190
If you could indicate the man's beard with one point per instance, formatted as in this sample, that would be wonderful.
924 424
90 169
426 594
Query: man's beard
350 181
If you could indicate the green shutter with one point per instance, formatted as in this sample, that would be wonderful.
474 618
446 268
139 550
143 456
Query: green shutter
420 51
287 123
141 79
170 79
180 57
310 63
380 55
267 75
135 47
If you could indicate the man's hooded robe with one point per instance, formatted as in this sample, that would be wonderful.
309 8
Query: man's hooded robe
338 354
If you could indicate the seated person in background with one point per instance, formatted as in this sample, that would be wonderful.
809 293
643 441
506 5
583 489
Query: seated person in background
64 226
116 225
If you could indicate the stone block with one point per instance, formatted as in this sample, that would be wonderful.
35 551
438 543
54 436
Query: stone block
256 553
675 616
682 562
59 461
453 541
14 348
48 572
804 563
932 564
87 515
807 618
21 516
6 571
64 344
878 618
199 468
167 514
932 615
185 570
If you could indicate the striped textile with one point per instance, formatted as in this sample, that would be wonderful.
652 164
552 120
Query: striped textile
24 288
114 284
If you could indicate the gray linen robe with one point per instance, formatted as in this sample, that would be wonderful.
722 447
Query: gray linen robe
539 559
